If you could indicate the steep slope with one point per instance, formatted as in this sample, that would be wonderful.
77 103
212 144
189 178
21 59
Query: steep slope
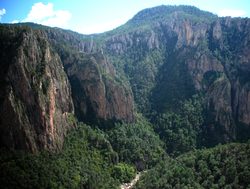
35 92
87 159
44 79
228 95
172 53
187 71
99 95
159 59
153 53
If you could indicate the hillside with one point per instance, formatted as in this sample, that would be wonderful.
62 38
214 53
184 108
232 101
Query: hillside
186 52
90 108
221 167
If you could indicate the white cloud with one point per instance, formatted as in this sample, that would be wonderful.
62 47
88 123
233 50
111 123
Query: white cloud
15 21
45 14
232 13
2 12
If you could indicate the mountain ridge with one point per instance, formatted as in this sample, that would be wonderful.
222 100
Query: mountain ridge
88 111
145 60
162 11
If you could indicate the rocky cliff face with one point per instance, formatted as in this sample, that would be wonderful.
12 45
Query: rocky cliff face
229 43
98 95
35 92
181 51
160 58
46 77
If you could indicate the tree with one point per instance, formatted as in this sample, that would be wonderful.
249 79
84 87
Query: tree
123 172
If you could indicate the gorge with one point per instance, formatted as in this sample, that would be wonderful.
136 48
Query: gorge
171 80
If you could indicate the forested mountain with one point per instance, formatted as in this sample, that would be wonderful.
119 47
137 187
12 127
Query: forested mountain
93 109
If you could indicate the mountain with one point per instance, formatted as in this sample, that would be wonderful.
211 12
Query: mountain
35 92
38 97
159 58
170 54
170 80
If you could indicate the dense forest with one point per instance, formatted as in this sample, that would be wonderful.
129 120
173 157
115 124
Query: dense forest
225 166
90 158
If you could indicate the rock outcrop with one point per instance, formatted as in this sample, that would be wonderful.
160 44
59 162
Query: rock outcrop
35 92
99 96
159 58
181 51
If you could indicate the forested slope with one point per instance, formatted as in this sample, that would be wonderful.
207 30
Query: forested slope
88 111
225 166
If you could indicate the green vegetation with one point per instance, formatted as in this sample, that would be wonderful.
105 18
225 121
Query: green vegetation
210 77
89 159
152 57
224 166
138 67
145 19
137 143
180 131
86 161
174 85
123 172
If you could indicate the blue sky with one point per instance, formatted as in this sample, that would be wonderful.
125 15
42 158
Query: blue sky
95 16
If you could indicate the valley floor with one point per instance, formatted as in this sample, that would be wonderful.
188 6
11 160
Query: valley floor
132 183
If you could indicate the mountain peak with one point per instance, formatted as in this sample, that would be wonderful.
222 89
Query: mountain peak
164 11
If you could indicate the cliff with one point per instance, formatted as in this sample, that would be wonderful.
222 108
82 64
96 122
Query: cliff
171 53
35 92
152 64
44 84
100 96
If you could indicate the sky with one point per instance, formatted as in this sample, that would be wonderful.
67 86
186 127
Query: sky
96 16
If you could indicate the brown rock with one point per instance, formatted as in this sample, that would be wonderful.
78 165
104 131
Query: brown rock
36 97
97 93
